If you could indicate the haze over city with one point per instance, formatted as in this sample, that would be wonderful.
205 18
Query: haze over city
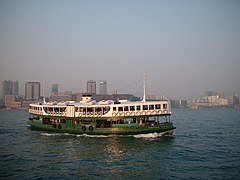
185 47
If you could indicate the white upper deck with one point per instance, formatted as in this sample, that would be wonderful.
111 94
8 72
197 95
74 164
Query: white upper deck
106 109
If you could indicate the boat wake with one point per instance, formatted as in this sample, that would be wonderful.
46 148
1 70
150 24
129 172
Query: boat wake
56 134
149 136
75 135
94 136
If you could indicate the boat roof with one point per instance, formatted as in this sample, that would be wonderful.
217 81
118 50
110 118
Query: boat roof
100 103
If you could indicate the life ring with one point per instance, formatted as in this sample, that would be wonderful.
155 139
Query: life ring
54 125
114 114
59 126
159 112
165 111
90 128
154 112
84 128
149 113
99 114
132 113
120 113
127 114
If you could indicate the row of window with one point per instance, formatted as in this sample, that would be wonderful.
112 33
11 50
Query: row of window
49 109
92 110
104 109
36 108
139 108
54 109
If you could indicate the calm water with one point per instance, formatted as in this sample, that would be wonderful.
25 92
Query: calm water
205 145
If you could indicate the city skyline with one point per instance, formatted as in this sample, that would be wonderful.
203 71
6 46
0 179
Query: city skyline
12 99
185 47
91 87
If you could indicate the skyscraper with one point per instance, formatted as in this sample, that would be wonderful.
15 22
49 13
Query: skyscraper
10 88
54 88
103 87
32 90
91 87
16 88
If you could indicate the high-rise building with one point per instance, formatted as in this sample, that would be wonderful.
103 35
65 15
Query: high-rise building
54 88
91 87
16 88
103 88
10 88
32 90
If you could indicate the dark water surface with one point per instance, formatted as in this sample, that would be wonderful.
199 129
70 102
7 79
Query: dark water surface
205 145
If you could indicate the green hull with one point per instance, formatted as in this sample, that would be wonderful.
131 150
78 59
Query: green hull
92 129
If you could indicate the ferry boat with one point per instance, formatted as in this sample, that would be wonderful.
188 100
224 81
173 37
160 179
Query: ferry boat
104 117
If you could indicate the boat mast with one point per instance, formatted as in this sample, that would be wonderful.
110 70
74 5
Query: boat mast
44 100
144 87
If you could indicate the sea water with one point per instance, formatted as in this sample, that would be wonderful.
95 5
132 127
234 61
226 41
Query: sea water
205 145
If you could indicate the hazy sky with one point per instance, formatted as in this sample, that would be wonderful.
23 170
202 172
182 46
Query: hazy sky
185 46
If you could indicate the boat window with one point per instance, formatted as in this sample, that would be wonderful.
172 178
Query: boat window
164 106
62 109
114 108
120 108
106 109
138 108
98 110
84 121
63 121
157 106
132 108
145 107
125 108
151 107
89 109
76 109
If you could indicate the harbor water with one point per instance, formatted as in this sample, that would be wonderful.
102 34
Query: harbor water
205 145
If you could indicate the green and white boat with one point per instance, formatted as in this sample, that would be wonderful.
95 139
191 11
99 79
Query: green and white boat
104 117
